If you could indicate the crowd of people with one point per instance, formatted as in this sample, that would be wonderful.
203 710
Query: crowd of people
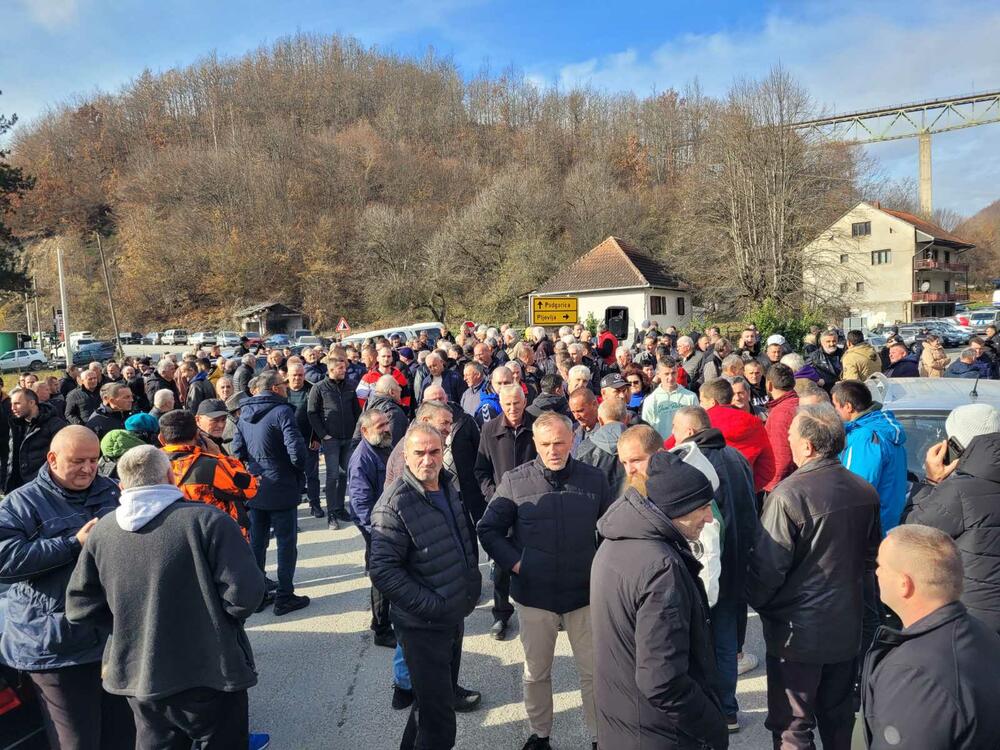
638 495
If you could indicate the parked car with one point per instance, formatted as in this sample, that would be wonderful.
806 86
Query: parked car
174 336
227 338
309 341
922 405
130 337
60 351
299 333
277 339
952 331
202 338
153 337
98 351
253 339
21 724
980 319
22 359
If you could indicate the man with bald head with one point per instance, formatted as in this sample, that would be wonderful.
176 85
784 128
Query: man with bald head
436 374
932 683
43 526
505 443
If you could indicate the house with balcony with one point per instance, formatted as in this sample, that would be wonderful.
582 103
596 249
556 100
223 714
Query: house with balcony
887 266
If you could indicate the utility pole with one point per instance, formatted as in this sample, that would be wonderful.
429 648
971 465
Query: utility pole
65 310
38 319
27 315
111 304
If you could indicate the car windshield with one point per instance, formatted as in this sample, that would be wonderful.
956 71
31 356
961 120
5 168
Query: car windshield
922 431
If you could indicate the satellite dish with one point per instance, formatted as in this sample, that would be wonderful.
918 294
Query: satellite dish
925 287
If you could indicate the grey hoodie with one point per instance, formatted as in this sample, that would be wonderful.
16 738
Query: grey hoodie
600 449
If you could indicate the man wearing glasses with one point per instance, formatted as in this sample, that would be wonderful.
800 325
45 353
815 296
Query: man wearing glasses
268 441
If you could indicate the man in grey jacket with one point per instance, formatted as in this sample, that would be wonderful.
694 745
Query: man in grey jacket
177 648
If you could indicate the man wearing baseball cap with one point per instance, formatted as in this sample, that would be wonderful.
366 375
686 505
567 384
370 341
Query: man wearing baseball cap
211 418
961 497
656 688
614 386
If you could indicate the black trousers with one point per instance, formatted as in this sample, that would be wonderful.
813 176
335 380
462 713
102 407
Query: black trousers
802 697
379 604
433 658
78 713
216 720
502 608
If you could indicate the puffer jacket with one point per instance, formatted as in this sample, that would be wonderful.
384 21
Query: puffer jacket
780 414
860 362
907 367
199 389
655 676
600 450
365 482
549 402
156 382
80 404
31 441
38 550
818 540
430 581
745 432
547 521
966 506
268 442
333 409
104 420
960 369
874 451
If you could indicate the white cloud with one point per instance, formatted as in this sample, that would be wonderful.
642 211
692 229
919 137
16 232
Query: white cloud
52 14
862 55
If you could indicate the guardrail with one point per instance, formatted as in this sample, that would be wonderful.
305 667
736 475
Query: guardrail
938 265
940 296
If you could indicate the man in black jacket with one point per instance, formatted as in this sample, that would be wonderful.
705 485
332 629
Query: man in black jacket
551 398
200 387
196 562
162 378
461 449
931 685
826 359
736 502
654 665
819 538
333 411
83 400
32 428
115 408
504 443
299 389
425 560
961 497
541 526
600 449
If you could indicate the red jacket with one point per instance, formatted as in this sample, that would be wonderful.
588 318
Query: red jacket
745 432
371 377
780 414
603 348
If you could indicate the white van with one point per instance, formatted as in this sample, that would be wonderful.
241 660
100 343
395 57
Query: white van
174 336
406 332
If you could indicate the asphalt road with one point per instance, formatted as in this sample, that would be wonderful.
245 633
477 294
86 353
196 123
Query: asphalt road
324 685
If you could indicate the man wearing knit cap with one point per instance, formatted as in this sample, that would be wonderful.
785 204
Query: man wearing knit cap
819 537
961 497
654 662
113 447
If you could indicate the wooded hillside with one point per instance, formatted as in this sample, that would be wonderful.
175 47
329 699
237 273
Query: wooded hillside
348 181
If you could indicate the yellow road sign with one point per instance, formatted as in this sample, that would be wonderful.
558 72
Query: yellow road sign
553 318
555 304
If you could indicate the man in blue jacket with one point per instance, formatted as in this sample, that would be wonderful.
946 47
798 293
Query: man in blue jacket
268 441
365 482
43 526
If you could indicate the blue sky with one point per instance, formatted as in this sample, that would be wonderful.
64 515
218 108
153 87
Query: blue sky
850 54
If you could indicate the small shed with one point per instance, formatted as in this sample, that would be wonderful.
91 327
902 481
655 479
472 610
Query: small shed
621 285
268 318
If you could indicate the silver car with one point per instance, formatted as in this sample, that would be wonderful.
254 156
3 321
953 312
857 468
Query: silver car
921 405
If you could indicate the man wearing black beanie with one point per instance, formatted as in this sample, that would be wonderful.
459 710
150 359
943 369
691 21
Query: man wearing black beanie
656 689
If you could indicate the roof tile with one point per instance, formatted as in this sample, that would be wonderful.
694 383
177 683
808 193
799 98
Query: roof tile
613 264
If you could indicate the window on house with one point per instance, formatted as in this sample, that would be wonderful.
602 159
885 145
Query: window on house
881 257
681 306
657 305
947 286
859 286
844 257
947 256
843 288
861 228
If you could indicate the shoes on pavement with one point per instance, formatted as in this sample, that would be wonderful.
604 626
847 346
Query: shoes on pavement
537 743
332 523
467 700
499 632
593 746
342 515
316 512
733 724
290 604
266 601
270 584
388 640
746 663
401 698
259 740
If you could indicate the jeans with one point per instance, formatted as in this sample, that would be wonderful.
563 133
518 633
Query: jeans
802 697
725 635
211 718
434 658
337 453
312 476
78 714
400 674
285 524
